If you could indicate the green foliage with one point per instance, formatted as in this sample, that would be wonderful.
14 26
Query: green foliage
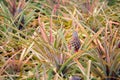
111 2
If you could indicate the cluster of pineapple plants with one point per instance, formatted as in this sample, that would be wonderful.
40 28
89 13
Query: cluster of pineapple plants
35 36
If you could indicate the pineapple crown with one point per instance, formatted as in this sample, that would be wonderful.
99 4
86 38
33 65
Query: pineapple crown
75 34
